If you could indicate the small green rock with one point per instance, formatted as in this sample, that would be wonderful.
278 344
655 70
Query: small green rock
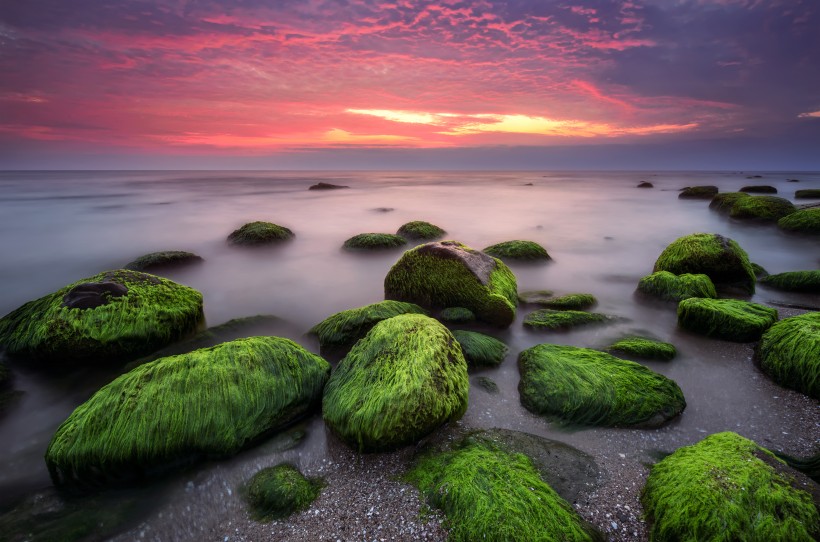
487 384
698 192
802 221
789 352
729 319
764 208
643 348
519 251
671 287
795 281
374 241
481 350
549 319
163 260
570 302
277 492
759 189
418 230
259 233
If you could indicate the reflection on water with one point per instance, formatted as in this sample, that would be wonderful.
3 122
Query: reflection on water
602 232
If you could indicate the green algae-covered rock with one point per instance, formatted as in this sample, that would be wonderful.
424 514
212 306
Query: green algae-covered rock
487 384
698 192
643 348
277 492
729 319
759 270
809 193
487 493
718 257
374 241
406 378
724 201
208 403
163 260
456 315
344 328
518 251
418 230
114 316
759 189
589 387
802 221
549 319
789 352
726 488
795 281
449 274
570 302
481 350
764 208
259 233
535 297
671 287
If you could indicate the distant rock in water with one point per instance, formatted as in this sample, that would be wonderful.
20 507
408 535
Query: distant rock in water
698 192
384 209
754 176
374 241
419 230
259 233
803 221
327 186
762 208
759 189
809 193
646 184
793 180
519 251
163 260
724 201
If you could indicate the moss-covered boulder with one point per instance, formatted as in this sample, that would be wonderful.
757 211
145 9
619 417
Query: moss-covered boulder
259 233
374 241
406 378
111 317
789 352
210 403
552 320
480 350
570 302
419 230
802 221
763 208
277 492
671 287
794 281
724 201
698 192
729 319
343 329
759 189
726 488
808 193
643 348
589 387
487 493
527 251
157 261
718 257
456 315
449 274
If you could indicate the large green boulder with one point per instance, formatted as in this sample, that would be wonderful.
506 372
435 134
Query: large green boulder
802 221
794 281
589 387
528 251
209 403
343 329
406 378
763 208
718 257
789 352
449 274
260 233
277 492
726 487
114 316
670 287
729 319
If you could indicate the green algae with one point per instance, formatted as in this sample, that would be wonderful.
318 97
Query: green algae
209 403
589 387
808 193
419 230
795 281
759 189
481 350
406 378
802 221
726 488
487 493
789 352
163 260
671 287
718 257
374 241
152 313
643 348
344 328
450 274
764 208
259 233
729 319
518 250
456 315
698 192
487 384
549 319
724 201
277 492
570 302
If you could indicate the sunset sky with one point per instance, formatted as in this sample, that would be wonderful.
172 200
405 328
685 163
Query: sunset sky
692 84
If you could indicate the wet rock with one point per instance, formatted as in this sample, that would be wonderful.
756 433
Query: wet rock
480 350
327 186
759 189
277 492
646 184
805 221
729 319
762 208
698 192
166 259
670 287
259 233
518 250
374 241
418 230
789 352
93 294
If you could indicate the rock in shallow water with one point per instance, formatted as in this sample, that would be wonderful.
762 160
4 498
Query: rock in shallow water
729 319
789 352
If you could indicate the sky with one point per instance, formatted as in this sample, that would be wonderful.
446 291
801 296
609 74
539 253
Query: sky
361 84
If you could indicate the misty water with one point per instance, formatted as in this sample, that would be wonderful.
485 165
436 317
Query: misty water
602 232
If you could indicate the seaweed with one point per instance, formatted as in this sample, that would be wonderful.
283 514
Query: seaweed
795 281
456 315
729 319
277 492
419 230
763 208
518 250
570 302
698 192
789 352
259 233
344 328
802 221
671 287
481 350
374 241
551 320
643 348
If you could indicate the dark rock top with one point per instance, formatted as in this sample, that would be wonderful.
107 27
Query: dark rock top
646 184
93 294
327 186
479 264
162 260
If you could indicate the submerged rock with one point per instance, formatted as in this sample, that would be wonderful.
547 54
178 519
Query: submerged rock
277 492
794 281
259 233
726 487
670 287
802 221
449 274
327 186
535 297
646 184
549 319
589 387
374 241
210 403
419 230
759 189
789 352
114 316
456 315
570 302
405 379
643 348
718 257
480 350
343 329
763 208
698 192
163 260
518 251
809 193
729 319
